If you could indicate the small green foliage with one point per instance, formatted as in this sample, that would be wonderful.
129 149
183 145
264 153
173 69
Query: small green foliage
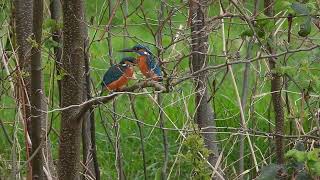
285 69
33 42
49 43
25 74
302 9
313 161
262 26
269 172
285 4
305 28
193 147
61 74
303 175
248 32
296 155
309 160
299 165
266 25
52 25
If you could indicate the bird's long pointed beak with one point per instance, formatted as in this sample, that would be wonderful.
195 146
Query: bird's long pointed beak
127 50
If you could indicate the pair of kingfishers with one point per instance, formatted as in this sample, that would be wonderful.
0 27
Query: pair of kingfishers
118 75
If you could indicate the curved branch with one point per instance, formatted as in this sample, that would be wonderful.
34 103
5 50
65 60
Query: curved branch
82 108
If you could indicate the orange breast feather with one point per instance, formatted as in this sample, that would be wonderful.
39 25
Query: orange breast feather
123 80
143 66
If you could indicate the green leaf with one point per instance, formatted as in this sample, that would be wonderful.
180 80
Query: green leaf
264 25
314 167
158 174
299 156
286 4
269 172
33 42
303 175
49 43
248 32
61 74
52 25
260 32
305 28
262 20
285 69
300 8
313 155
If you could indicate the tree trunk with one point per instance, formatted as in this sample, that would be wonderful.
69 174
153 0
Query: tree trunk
37 92
276 86
55 10
199 45
88 127
71 89
23 29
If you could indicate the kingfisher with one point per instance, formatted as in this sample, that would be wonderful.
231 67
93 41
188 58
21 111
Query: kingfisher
146 62
118 75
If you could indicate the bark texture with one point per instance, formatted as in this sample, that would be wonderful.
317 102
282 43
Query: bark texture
276 86
71 89
23 9
199 46
37 92
23 29
55 10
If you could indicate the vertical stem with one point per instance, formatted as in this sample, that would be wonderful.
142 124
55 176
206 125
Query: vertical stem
23 28
71 88
93 145
244 95
37 91
118 162
159 98
109 38
199 48
55 10
276 86
242 117
88 128
125 14
141 137
140 128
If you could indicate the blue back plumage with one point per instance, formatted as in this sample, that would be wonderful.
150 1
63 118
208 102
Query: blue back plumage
154 66
116 71
113 74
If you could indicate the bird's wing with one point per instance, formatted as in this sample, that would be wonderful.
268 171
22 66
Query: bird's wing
113 73
154 66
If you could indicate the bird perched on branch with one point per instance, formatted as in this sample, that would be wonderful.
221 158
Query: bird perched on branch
118 75
146 62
